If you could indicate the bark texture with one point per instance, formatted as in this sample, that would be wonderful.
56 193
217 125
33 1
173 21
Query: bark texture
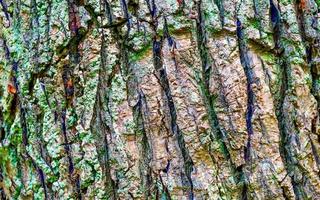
160 99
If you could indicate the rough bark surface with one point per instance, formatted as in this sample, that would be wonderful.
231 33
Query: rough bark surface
159 99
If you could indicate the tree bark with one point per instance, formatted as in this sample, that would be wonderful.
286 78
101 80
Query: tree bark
158 99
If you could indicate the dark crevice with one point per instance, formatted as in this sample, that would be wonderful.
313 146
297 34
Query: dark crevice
42 143
34 44
69 91
315 154
152 7
284 193
138 110
67 145
18 103
41 177
276 24
13 98
165 189
246 63
202 46
108 11
161 75
6 49
171 42
166 33
219 4
74 177
126 14
5 10
43 88
126 68
74 27
266 74
2 192
223 98
2 131
23 123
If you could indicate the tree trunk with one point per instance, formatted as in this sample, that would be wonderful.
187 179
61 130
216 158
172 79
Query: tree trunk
158 99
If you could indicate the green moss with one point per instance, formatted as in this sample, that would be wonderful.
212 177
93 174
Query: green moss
4 152
255 23
140 53
268 57
286 2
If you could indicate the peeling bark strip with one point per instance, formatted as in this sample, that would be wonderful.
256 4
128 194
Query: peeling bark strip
23 124
286 128
204 85
146 154
164 82
139 112
99 124
285 152
161 75
311 39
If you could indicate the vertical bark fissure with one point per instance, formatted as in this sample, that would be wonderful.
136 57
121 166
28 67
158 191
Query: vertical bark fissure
5 10
17 102
246 63
146 147
165 189
139 121
24 127
209 100
161 75
164 82
2 192
286 136
67 77
34 33
257 16
219 4
141 104
99 126
311 44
